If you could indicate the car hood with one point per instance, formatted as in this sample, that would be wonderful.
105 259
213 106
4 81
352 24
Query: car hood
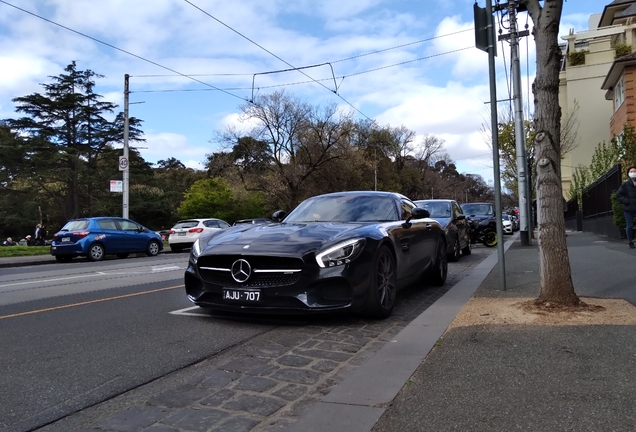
279 239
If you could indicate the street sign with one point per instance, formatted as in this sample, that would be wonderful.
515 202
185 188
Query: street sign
123 163
116 186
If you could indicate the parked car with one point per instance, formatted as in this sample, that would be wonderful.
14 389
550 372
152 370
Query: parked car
450 215
186 232
340 251
483 225
507 224
253 221
97 237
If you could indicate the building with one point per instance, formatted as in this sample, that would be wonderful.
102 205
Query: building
592 82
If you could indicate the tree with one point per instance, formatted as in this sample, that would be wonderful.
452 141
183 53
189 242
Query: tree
290 143
555 274
66 133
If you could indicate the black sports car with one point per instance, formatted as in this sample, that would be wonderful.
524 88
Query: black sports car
347 250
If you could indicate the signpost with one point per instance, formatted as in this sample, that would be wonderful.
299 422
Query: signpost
116 186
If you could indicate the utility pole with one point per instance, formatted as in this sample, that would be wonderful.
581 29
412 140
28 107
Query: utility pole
485 41
520 141
124 161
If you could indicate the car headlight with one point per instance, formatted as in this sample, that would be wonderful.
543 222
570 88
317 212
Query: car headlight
340 254
195 251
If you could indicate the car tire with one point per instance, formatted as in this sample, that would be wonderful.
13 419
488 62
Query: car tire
153 248
176 249
468 249
96 252
439 272
454 256
382 289
63 258
122 255
490 239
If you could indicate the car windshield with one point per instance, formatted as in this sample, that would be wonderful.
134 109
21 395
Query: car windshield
436 209
505 217
186 224
345 208
75 225
477 209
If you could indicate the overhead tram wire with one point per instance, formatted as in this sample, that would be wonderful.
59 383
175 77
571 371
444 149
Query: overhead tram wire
313 80
332 62
121 50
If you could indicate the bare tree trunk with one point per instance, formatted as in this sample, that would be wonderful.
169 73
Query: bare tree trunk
554 264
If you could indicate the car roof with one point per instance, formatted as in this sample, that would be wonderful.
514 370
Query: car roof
434 200
376 193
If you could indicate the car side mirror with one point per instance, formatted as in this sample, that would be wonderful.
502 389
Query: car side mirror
419 213
279 215
461 217
416 213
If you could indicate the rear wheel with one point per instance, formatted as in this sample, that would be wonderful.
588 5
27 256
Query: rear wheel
381 293
439 272
63 258
153 248
96 252
490 239
454 256
468 249
122 255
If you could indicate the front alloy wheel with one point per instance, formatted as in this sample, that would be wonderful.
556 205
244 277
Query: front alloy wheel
153 248
382 290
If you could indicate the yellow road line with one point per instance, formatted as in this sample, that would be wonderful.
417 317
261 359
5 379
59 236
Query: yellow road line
89 302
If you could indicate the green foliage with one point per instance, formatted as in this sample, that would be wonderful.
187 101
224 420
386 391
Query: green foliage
605 156
622 50
577 58
213 197
618 215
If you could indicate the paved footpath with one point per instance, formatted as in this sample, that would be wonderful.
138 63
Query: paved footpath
268 386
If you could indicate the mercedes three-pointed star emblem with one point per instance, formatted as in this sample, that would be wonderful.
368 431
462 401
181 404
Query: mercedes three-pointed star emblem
241 270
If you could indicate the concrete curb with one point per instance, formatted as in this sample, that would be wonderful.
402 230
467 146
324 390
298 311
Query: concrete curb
358 402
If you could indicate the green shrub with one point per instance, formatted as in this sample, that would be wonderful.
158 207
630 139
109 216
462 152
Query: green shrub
618 216
622 50
577 58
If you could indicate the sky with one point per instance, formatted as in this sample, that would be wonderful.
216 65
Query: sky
192 63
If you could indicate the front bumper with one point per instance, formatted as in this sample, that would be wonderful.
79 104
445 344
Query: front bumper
312 290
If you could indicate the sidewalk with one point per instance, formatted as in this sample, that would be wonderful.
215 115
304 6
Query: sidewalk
500 377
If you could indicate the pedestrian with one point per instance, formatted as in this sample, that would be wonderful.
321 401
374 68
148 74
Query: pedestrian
626 195
9 242
29 241
40 235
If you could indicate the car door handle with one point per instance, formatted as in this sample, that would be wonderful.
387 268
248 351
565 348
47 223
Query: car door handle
429 227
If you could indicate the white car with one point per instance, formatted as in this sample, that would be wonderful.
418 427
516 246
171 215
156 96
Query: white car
186 232
507 224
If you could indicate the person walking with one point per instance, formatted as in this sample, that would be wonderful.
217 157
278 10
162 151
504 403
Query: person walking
626 195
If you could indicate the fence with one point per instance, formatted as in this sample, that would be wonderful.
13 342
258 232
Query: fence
595 214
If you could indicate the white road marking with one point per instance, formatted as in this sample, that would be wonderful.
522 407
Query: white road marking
130 272
184 312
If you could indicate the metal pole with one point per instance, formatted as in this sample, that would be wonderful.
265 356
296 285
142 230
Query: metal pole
495 143
522 178
125 170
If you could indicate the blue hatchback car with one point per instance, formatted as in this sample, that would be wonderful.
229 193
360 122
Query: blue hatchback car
97 237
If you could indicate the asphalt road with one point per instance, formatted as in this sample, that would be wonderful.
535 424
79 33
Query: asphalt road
77 335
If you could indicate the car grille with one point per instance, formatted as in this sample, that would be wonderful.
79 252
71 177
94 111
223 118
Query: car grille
223 277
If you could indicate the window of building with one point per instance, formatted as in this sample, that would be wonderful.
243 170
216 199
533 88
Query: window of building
619 94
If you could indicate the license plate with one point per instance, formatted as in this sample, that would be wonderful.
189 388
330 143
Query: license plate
247 296
65 239
182 234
